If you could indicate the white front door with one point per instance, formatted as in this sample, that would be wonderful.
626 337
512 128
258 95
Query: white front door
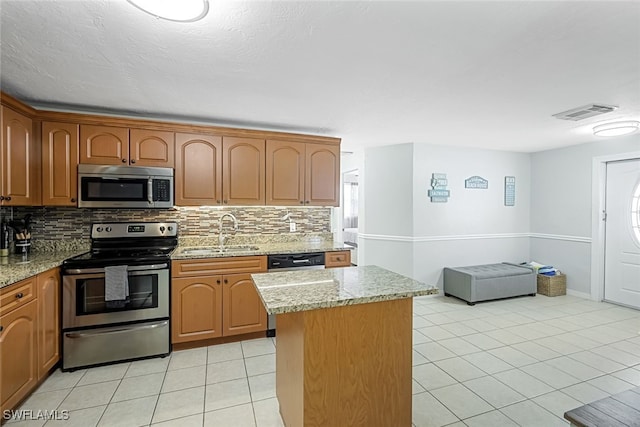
622 238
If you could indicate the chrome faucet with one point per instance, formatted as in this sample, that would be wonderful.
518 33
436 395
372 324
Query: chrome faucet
221 237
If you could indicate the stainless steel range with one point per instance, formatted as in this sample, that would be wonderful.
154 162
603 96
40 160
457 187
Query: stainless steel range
115 298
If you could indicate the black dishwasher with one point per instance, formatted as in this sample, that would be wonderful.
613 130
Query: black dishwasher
290 262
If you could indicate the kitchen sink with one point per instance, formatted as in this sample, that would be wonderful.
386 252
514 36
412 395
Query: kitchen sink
212 250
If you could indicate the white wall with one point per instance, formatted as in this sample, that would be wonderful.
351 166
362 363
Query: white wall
474 226
562 206
551 223
387 209
405 232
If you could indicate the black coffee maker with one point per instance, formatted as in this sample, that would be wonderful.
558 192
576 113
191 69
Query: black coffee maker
22 234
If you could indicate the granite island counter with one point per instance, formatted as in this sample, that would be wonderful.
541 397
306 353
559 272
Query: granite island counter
344 344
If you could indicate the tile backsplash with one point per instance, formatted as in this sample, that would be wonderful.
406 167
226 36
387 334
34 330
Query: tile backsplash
51 223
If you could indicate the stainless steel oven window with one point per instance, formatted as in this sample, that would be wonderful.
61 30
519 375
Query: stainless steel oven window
76 312
90 294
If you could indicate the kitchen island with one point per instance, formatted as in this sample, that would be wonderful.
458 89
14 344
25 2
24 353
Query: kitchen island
343 346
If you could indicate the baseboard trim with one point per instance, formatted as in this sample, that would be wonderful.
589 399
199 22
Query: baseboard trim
578 294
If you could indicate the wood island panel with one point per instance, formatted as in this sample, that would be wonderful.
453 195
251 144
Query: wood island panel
347 365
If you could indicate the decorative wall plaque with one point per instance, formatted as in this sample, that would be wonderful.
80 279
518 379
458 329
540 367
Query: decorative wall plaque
476 182
439 192
509 190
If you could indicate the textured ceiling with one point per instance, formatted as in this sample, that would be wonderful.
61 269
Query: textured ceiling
477 74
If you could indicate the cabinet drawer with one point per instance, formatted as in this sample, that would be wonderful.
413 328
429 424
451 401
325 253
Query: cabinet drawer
17 295
337 259
209 266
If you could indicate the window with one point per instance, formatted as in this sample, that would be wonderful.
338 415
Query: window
350 208
635 213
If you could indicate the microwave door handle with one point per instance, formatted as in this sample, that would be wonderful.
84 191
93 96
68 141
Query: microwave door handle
150 190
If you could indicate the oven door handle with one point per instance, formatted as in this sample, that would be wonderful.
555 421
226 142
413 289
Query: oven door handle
75 335
130 268
150 191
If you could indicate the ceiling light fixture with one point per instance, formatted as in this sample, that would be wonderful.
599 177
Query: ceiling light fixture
174 10
616 128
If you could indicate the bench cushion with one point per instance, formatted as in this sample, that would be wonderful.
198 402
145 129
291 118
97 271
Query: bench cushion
488 271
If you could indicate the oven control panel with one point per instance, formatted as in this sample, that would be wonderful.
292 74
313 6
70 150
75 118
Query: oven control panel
134 229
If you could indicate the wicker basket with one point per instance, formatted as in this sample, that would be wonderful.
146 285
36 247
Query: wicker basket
552 286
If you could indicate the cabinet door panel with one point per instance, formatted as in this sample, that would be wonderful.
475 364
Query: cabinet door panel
243 310
198 175
18 174
48 320
104 145
196 308
18 358
151 148
243 171
285 173
322 175
59 164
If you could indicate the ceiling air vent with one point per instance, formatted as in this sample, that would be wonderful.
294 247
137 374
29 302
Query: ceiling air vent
585 112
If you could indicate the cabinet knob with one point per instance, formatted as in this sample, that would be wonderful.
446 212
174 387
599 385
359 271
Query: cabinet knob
133 161
1 197
306 202
73 200
218 201
1 328
301 202
338 258
7 198
19 295
226 281
225 202
218 281
124 160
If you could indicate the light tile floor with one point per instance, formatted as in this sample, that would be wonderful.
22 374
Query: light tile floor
515 362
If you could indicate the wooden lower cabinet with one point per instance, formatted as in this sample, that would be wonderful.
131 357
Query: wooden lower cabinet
29 335
18 354
243 310
48 292
215 297
196 308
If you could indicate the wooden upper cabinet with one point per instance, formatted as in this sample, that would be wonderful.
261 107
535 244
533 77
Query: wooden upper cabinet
243 309
151 148
19 166
303 174
198 174
243 171
59 164
104 145
285 173
322 175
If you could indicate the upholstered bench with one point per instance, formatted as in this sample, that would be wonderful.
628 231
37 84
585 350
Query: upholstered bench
491 281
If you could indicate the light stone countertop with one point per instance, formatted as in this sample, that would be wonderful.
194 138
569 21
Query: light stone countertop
293 291
261 248
13 268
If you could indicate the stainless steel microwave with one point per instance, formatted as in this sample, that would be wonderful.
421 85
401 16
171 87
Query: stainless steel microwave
104 186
